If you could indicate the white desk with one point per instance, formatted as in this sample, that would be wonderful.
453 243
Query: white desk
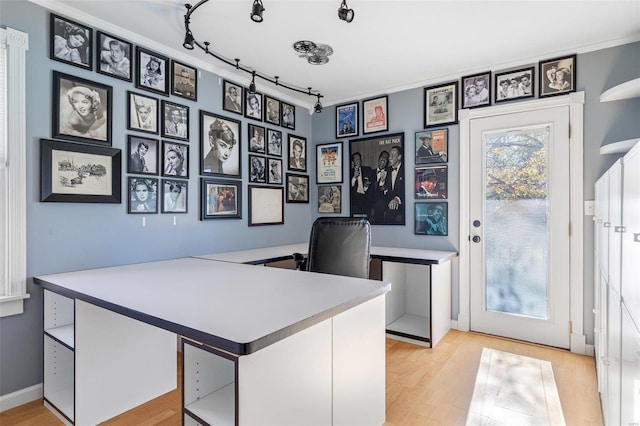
418 307
254 332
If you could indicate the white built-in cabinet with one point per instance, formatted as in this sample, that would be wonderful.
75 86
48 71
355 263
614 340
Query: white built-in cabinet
627 90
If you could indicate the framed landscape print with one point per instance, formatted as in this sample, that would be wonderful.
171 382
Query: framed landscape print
266 205
271 110
113 57
297 153
152 71
557 76
175 159
79 173
184 81
274 142
297 188
81 110
142 195
329 199
220 199
142 155
431 219
143 113
233 100
220 145
174 196
375 115
329 163
441 104
288 116
70 42
253 105
175 121
431 183
274 175
476 90
515 84
432 146
347 120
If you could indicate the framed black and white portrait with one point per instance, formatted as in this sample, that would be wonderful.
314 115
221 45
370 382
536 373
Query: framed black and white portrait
431 218
441 104
253 105
274 171
113 57
143 155
175 196
142 195
184 81
297 188
220 145
288 116
329 199
271 110
175 159
297 153
233 97
81 109
175 121
347 120
375 115
143 113
257 169
274 142
256 139
71 42
152 71
557 76
476 90
516 84
431 182
220 199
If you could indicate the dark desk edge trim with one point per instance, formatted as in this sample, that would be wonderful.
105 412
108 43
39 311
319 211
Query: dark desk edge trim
387 258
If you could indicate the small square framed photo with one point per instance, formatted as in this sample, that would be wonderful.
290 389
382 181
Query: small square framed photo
288 116
152 71
274 142
113 56
71 42
441 104
220 145
297 188
557 76
274 174
431 183
253 105
174 196
175 159
329 199
476 90
233 100
432 146
271 110
375 116
142 195
143 113
220 199
81 110
516 84
184 81
347 120
143 155
175 121
329 163
431 219
257 167
266 205
256 138
297 153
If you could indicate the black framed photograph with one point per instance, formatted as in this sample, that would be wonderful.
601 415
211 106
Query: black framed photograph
233 97
274 175
288 116
557 76
431 219
142 195
253 105
297 188
257 167
329 199
274 142
375 115
297 153
152 71
175 159
441 104
515 84
175 121
256 138
79 173
329 163
143 155
476 90
71 42
220 199
113 56
377 179
271 110
266 205
81 109
220 145
347 120
184 81
432 146
143 113
174 196
431 182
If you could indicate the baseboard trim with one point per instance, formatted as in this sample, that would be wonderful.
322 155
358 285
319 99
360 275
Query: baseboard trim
20 397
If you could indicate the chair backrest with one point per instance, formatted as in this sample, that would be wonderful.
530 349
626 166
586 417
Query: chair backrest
340 246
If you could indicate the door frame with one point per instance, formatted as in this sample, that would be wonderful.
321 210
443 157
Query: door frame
575 102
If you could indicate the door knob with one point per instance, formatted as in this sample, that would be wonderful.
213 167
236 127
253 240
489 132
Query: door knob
476 239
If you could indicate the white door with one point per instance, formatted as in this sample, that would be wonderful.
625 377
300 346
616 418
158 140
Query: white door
519 211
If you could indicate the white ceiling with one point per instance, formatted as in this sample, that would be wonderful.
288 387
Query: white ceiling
389 46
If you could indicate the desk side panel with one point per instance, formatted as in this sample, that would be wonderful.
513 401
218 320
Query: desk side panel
440 301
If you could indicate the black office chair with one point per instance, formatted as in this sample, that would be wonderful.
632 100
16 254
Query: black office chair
338 246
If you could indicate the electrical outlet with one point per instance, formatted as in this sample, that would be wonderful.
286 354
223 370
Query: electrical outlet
589 208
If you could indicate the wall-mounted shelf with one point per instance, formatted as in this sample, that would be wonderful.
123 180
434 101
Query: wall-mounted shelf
619 147
627 90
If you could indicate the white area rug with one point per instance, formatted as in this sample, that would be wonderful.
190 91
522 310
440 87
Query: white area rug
514 390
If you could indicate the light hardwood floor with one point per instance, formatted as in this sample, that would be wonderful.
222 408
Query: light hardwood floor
424 386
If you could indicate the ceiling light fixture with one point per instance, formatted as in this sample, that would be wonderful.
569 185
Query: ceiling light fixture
256 11
190 42
318 106
344 13
252 86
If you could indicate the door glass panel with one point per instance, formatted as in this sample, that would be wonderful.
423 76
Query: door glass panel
516 222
